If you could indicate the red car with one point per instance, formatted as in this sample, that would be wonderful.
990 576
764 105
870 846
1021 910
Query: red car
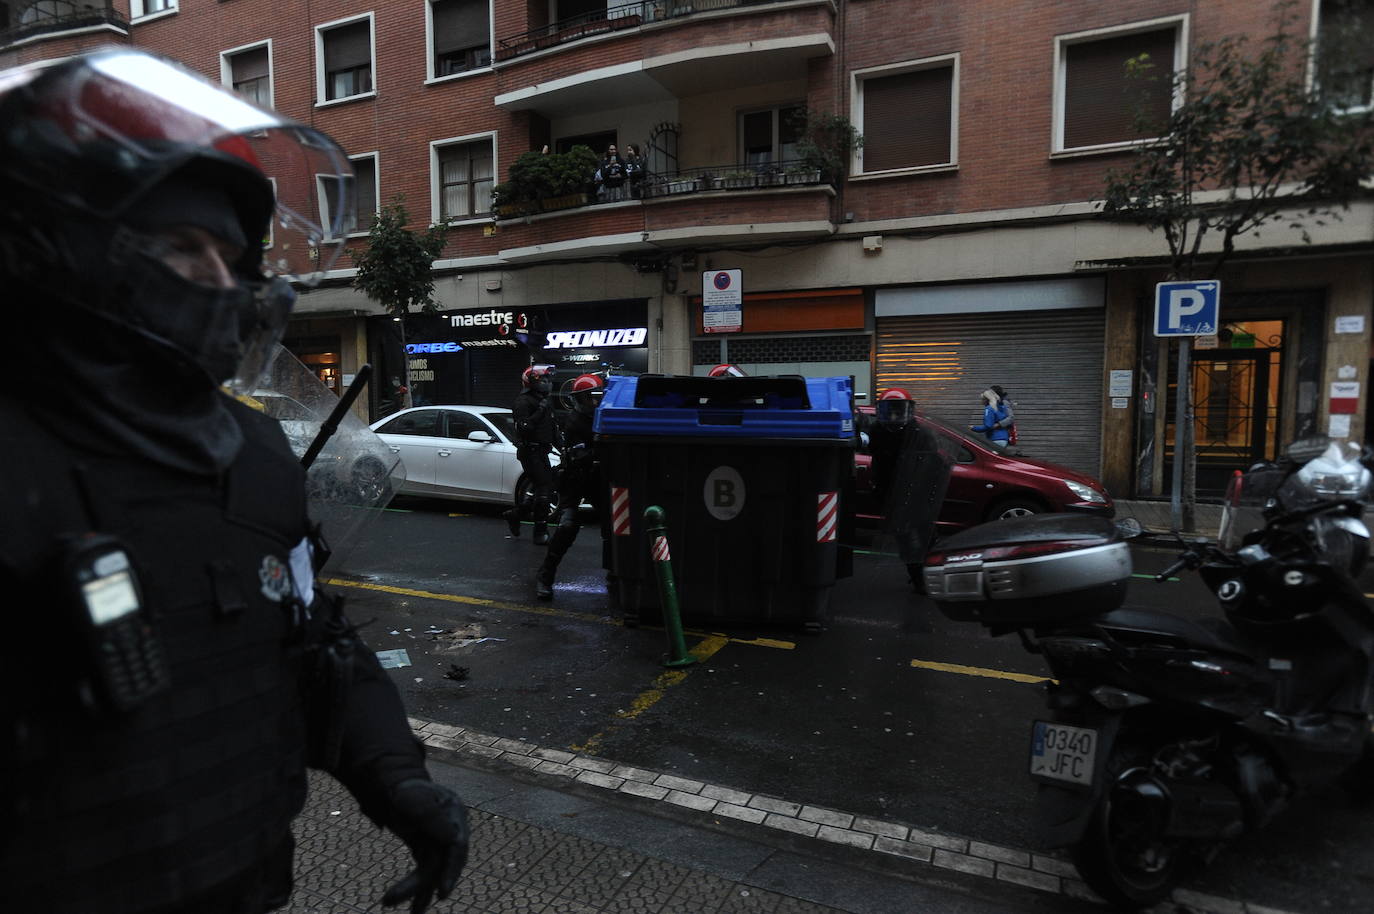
985 485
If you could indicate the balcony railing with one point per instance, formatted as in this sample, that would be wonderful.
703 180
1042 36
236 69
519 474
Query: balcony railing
616 18
45 18
738 177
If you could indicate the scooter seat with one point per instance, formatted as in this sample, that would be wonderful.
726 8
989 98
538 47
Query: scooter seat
1211 634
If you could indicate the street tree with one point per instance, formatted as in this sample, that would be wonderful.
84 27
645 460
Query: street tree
395 270
1261 135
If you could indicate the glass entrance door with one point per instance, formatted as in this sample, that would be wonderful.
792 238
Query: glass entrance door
1235 396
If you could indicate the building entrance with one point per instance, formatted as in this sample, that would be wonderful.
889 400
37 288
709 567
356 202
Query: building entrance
1235 398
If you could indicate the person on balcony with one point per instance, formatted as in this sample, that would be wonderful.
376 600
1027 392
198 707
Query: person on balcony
610 177
634 170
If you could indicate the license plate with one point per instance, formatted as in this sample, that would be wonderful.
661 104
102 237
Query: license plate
965 582
1063 753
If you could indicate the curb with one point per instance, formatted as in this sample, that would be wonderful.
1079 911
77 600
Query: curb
896 840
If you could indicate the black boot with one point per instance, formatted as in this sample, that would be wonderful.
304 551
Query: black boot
543 582
512 521
541 534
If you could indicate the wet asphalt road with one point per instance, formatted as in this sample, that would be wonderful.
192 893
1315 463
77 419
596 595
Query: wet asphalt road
842 719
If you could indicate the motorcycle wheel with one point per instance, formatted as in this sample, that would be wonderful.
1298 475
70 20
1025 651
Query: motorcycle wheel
1123 855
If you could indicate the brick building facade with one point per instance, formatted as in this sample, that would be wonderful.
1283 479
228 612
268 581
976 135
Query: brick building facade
967 231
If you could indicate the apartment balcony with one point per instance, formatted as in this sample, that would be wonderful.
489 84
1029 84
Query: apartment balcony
41 18
658 51
697 209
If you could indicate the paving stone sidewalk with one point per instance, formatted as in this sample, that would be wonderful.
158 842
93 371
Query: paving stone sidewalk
344 865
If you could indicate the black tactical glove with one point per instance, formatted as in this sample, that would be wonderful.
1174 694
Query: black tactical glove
431 820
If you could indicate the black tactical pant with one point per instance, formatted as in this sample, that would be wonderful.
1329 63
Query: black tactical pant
534 460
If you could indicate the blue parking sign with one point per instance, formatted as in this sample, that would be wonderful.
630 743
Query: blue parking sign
1187 308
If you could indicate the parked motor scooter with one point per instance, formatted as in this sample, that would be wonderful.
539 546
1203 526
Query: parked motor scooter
1167 736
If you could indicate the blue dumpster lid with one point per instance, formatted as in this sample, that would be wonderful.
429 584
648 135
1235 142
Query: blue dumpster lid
778 406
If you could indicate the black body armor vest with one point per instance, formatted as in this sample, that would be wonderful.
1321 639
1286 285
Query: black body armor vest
155 807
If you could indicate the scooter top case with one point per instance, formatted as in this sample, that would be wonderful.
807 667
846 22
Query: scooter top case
1030 571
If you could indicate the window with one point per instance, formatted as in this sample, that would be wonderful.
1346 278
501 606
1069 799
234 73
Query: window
908 115
465 179
460 425
1345 53
419 422
460 32
249 73
139 8
771 135
362 193
345 55
1097 102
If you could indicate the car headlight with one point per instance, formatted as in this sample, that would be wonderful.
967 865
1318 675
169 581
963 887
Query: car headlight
1086 493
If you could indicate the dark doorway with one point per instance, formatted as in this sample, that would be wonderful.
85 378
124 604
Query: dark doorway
1235 394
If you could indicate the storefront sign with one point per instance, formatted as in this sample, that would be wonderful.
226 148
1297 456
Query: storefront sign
413 348
481 319
580 339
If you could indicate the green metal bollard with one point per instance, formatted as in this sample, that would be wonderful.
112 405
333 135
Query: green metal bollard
654 520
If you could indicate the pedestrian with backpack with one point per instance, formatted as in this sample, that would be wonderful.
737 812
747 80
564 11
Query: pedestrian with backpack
999 421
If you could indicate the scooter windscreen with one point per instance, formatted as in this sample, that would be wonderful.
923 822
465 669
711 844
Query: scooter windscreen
910 471
354 476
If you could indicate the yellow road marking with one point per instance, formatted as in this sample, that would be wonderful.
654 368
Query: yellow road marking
538 610
651 696
473 601
976 671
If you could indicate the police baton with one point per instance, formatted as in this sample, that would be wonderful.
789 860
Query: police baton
331 425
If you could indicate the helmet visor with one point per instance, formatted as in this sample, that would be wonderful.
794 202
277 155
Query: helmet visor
105 128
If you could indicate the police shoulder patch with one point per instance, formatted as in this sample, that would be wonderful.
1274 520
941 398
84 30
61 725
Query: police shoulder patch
276 580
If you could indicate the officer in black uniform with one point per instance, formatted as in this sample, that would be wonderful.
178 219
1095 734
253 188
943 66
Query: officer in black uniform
578 478
169 669
535 435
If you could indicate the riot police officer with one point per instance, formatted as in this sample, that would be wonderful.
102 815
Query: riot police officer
535 434
155 529
578 476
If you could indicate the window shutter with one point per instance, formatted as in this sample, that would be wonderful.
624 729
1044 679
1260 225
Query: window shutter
365 188
1100 100
249 65
348 46
907 119
460 24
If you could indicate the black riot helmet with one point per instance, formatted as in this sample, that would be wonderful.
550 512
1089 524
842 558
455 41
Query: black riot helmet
108 159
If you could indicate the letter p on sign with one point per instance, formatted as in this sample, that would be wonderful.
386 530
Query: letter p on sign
1187 308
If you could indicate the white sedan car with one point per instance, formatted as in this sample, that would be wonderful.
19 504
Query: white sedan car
462 452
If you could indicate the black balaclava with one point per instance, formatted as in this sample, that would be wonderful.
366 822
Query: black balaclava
136 367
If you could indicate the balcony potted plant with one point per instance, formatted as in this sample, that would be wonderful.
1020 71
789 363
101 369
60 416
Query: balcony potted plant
569 175
735 180
711 181
770 176
682 185
802 173
827 144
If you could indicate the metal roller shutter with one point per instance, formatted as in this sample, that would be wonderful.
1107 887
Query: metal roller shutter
495 378
1050 362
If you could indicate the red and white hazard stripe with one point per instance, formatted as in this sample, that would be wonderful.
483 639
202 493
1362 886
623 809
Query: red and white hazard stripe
660 550
620 511
827 514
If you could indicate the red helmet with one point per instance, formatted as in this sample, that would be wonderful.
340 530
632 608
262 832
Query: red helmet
534 373
586 391
895 405
726 371
587 383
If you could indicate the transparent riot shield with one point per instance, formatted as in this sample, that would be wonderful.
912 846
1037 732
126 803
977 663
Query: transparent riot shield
910 472
355 474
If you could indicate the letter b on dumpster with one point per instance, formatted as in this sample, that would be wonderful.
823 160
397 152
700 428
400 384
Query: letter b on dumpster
724 493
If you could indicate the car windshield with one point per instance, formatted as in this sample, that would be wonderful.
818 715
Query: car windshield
504 422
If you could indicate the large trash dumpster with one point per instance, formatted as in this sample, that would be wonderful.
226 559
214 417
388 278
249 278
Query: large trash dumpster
755 475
